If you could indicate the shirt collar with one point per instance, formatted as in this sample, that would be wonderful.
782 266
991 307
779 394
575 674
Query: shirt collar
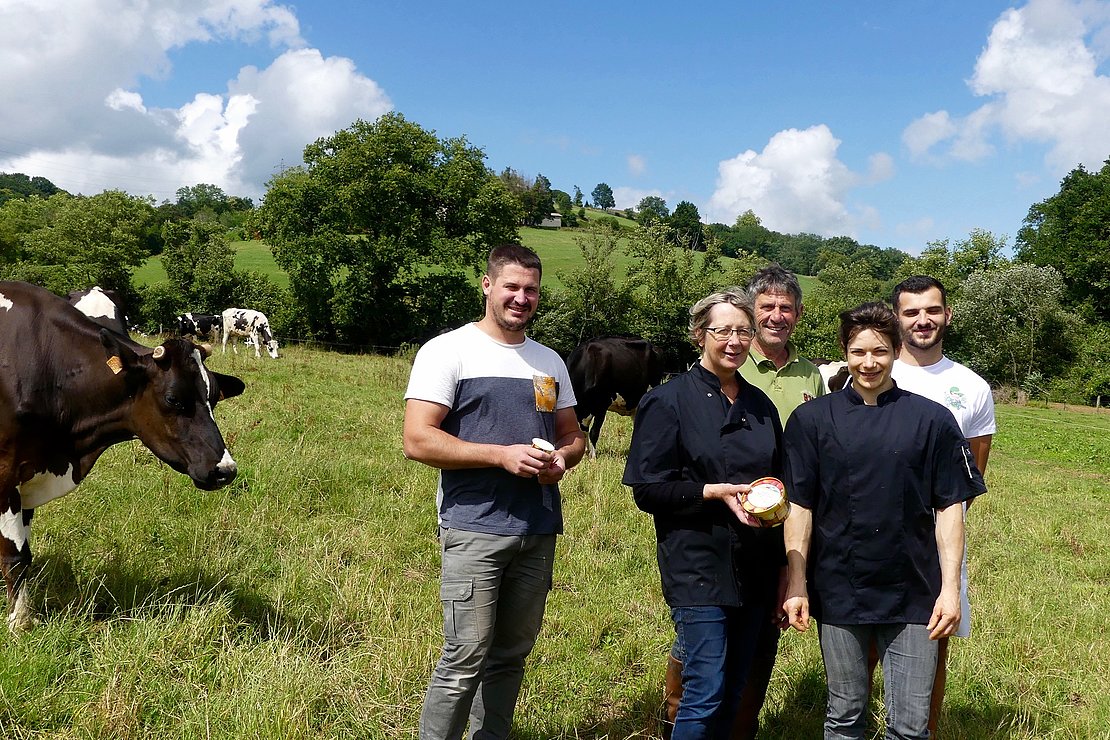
885 397
760 358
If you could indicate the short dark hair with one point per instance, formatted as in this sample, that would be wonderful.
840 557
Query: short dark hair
775 278
875 316
918 284
511 253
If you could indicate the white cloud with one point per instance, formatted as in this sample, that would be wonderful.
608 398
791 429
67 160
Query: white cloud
796 184
100 132
1040 72
928 131
637 165
880 167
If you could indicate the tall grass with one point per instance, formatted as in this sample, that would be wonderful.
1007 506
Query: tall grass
301 601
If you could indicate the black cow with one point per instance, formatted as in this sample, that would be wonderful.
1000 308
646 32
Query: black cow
102 306
70 389
611 373
202 326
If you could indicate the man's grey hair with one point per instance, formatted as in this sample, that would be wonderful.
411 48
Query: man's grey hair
774 278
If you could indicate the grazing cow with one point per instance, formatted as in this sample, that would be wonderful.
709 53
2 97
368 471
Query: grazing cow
102 306
70 389
202 326
243 322
611 373
834 373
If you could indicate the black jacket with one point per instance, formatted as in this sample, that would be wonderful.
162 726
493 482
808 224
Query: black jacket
687 434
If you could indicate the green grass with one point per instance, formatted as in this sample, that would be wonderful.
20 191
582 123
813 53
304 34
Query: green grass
302 600
249 255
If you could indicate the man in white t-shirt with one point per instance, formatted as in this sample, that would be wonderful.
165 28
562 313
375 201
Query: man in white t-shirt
477 398
921 305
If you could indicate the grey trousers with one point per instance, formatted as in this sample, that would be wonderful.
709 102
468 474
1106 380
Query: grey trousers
493 589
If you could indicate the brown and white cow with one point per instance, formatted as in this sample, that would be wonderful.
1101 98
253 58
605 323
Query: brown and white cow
244 322
70 389
611 373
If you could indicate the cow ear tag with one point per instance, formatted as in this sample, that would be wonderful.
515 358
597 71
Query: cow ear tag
114 364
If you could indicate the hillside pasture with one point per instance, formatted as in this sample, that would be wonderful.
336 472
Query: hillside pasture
556 247
302 600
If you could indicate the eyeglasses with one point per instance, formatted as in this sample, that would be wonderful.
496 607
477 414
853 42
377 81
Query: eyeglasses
722 333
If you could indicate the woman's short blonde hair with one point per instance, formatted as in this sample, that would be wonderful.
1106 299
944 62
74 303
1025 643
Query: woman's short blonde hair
735 296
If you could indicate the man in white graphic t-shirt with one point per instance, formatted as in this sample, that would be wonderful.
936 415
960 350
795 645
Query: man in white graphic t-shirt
920 303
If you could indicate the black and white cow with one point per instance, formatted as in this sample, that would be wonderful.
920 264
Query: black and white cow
243 322
102 306
611 373
834 373
69 390
203 327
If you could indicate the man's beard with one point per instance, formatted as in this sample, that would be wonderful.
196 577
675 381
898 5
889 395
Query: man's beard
503 320
911 339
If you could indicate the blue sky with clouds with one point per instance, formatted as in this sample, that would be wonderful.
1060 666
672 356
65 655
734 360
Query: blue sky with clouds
896 123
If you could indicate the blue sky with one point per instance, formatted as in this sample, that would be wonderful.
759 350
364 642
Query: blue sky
896 123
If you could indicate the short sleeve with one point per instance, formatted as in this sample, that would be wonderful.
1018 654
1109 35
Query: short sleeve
803 462
435 375
955 476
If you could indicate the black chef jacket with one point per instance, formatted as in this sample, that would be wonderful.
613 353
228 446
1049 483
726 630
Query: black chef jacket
687 434
873 476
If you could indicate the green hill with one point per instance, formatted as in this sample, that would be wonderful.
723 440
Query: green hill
556 247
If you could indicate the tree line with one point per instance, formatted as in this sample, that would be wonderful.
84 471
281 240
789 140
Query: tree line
384 228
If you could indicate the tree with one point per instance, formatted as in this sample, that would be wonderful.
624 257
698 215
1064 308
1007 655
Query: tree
537 201
603 196
1070 231
840 287
202 197
377 211
89 240
652 208
1009 323
592 302
686 226
200 264
577 197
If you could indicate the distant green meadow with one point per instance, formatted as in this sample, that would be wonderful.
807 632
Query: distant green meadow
302 600
557 248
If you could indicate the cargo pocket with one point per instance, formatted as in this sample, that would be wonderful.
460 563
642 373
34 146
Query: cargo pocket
458 611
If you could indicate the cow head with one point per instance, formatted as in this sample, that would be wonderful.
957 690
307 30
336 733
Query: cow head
172 395
268 339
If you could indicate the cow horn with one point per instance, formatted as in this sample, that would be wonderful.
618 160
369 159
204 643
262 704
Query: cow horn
205 350
159 352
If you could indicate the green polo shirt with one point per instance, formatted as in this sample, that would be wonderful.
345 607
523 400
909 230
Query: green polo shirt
788 387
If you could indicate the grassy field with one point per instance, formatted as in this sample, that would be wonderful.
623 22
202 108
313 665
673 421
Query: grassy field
556 247
301 601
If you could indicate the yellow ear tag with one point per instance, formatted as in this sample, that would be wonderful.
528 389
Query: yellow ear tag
114 363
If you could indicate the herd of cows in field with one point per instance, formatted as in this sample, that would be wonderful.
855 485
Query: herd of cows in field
73 383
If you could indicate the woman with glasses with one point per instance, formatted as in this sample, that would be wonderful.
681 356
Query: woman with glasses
699 440
876 476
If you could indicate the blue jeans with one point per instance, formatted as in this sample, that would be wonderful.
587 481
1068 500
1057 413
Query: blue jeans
717 643
909 660
493 589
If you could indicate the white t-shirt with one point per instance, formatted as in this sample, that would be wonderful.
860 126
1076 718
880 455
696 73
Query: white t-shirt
968 397
954 386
